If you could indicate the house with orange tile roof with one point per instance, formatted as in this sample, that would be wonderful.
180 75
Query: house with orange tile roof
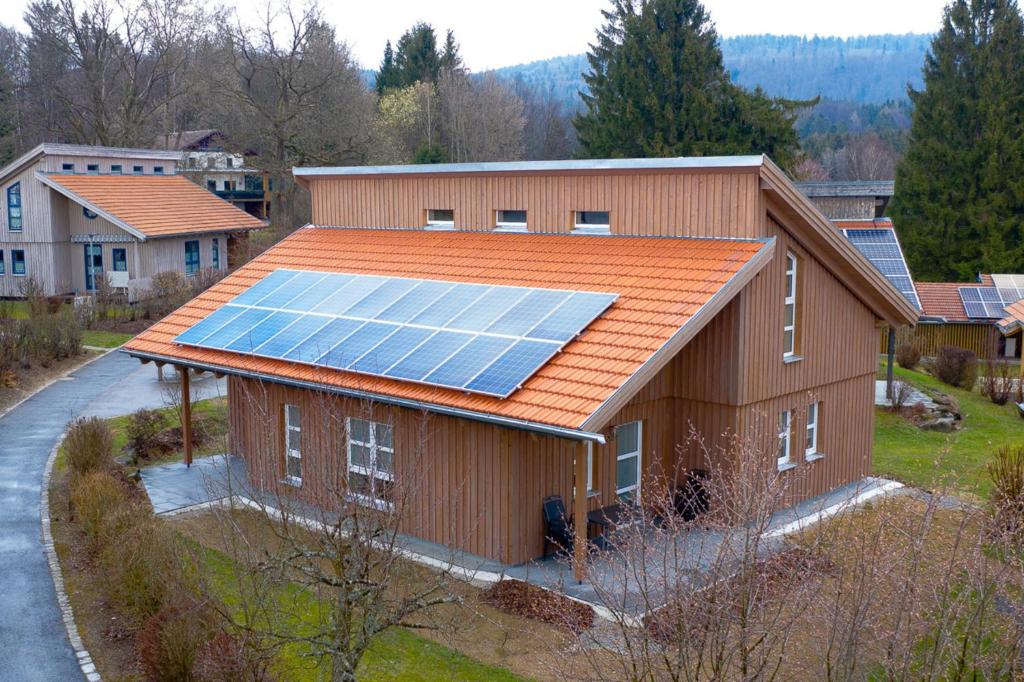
73 212
494 334
980 316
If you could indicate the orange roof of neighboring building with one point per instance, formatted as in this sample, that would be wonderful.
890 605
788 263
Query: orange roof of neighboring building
662 284
1014 319
942 299
864 223
152 205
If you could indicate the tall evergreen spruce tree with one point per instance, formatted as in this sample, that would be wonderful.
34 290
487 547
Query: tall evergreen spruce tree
959 205
657 87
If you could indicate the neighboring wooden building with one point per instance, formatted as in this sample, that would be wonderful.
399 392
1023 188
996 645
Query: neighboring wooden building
945 322
72 212
741 311
850 199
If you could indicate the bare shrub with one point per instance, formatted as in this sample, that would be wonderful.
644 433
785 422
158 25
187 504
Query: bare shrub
204 279
997 381
956 367
1007 497
230 658
144 568
144 427
171 639
88 446
168 291
35 298
908 356
96 500
902 392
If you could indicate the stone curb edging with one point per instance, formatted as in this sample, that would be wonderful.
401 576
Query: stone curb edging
85 661
51 382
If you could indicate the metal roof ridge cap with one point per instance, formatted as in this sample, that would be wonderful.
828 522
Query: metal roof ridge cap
509 422
60 148
661 163
739 279
77 198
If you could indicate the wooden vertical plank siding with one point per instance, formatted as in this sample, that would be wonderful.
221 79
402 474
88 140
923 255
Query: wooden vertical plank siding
929 337
478 487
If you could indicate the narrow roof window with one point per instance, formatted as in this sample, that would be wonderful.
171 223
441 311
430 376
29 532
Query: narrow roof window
591 222
440 219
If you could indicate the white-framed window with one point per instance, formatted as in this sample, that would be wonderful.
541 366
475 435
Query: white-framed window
92 168
137 170
591 221
789 321
67 168
371 462
441 218
158 170
510 221
811 447
628 441
115 169
293 444
785 438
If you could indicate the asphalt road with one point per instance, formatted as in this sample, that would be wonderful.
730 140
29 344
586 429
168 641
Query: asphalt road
33 641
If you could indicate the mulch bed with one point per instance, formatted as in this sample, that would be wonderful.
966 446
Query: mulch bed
530 601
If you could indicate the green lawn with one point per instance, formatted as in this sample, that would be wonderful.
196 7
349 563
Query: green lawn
927 459
102 339
215 409
397 654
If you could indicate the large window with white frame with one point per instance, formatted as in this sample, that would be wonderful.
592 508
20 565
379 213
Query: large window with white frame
811 447
628 443
14 207
293 444
789 321
371 462
785 439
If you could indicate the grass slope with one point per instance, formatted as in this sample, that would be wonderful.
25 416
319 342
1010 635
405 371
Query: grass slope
396 654
929 459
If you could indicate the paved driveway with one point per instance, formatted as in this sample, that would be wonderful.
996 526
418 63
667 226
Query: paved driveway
33 641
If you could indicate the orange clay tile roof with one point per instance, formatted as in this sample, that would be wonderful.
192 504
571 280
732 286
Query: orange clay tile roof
1014 319
155 205
942 299
661 282
864 224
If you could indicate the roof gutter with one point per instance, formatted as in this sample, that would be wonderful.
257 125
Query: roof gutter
545 429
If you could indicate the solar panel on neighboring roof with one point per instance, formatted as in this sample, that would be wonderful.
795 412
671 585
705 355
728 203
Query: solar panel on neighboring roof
990 302
474 337
882 248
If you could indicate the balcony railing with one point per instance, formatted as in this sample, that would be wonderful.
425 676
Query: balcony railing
240 194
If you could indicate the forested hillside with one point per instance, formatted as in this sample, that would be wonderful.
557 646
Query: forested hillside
865 70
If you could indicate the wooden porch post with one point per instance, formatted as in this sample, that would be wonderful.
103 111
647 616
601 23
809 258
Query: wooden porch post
890 354
579 510
186 414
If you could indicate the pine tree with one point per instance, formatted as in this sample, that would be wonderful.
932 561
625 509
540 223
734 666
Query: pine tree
450 59
657 87
387 77
959 204
416 56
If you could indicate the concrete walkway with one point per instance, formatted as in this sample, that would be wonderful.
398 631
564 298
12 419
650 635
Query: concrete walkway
140 388
172 487
33 641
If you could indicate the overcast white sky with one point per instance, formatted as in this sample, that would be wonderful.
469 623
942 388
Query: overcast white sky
506 32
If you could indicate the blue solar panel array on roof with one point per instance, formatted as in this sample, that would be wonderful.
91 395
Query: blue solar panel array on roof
474 337
882 248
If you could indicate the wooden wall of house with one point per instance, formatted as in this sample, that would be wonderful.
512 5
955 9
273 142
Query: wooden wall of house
837 208
55 164
694 203
469 485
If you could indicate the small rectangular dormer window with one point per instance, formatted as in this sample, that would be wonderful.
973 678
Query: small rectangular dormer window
158 170
67 168
591 222
92 168
510 221
115 169
441 219
137 170
231 162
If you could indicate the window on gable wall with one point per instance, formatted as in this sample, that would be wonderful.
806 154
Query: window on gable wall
811 447
785 439
115 169
17 262
14 207
371 462
137 170
789 330
293 444
92 168
67 167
